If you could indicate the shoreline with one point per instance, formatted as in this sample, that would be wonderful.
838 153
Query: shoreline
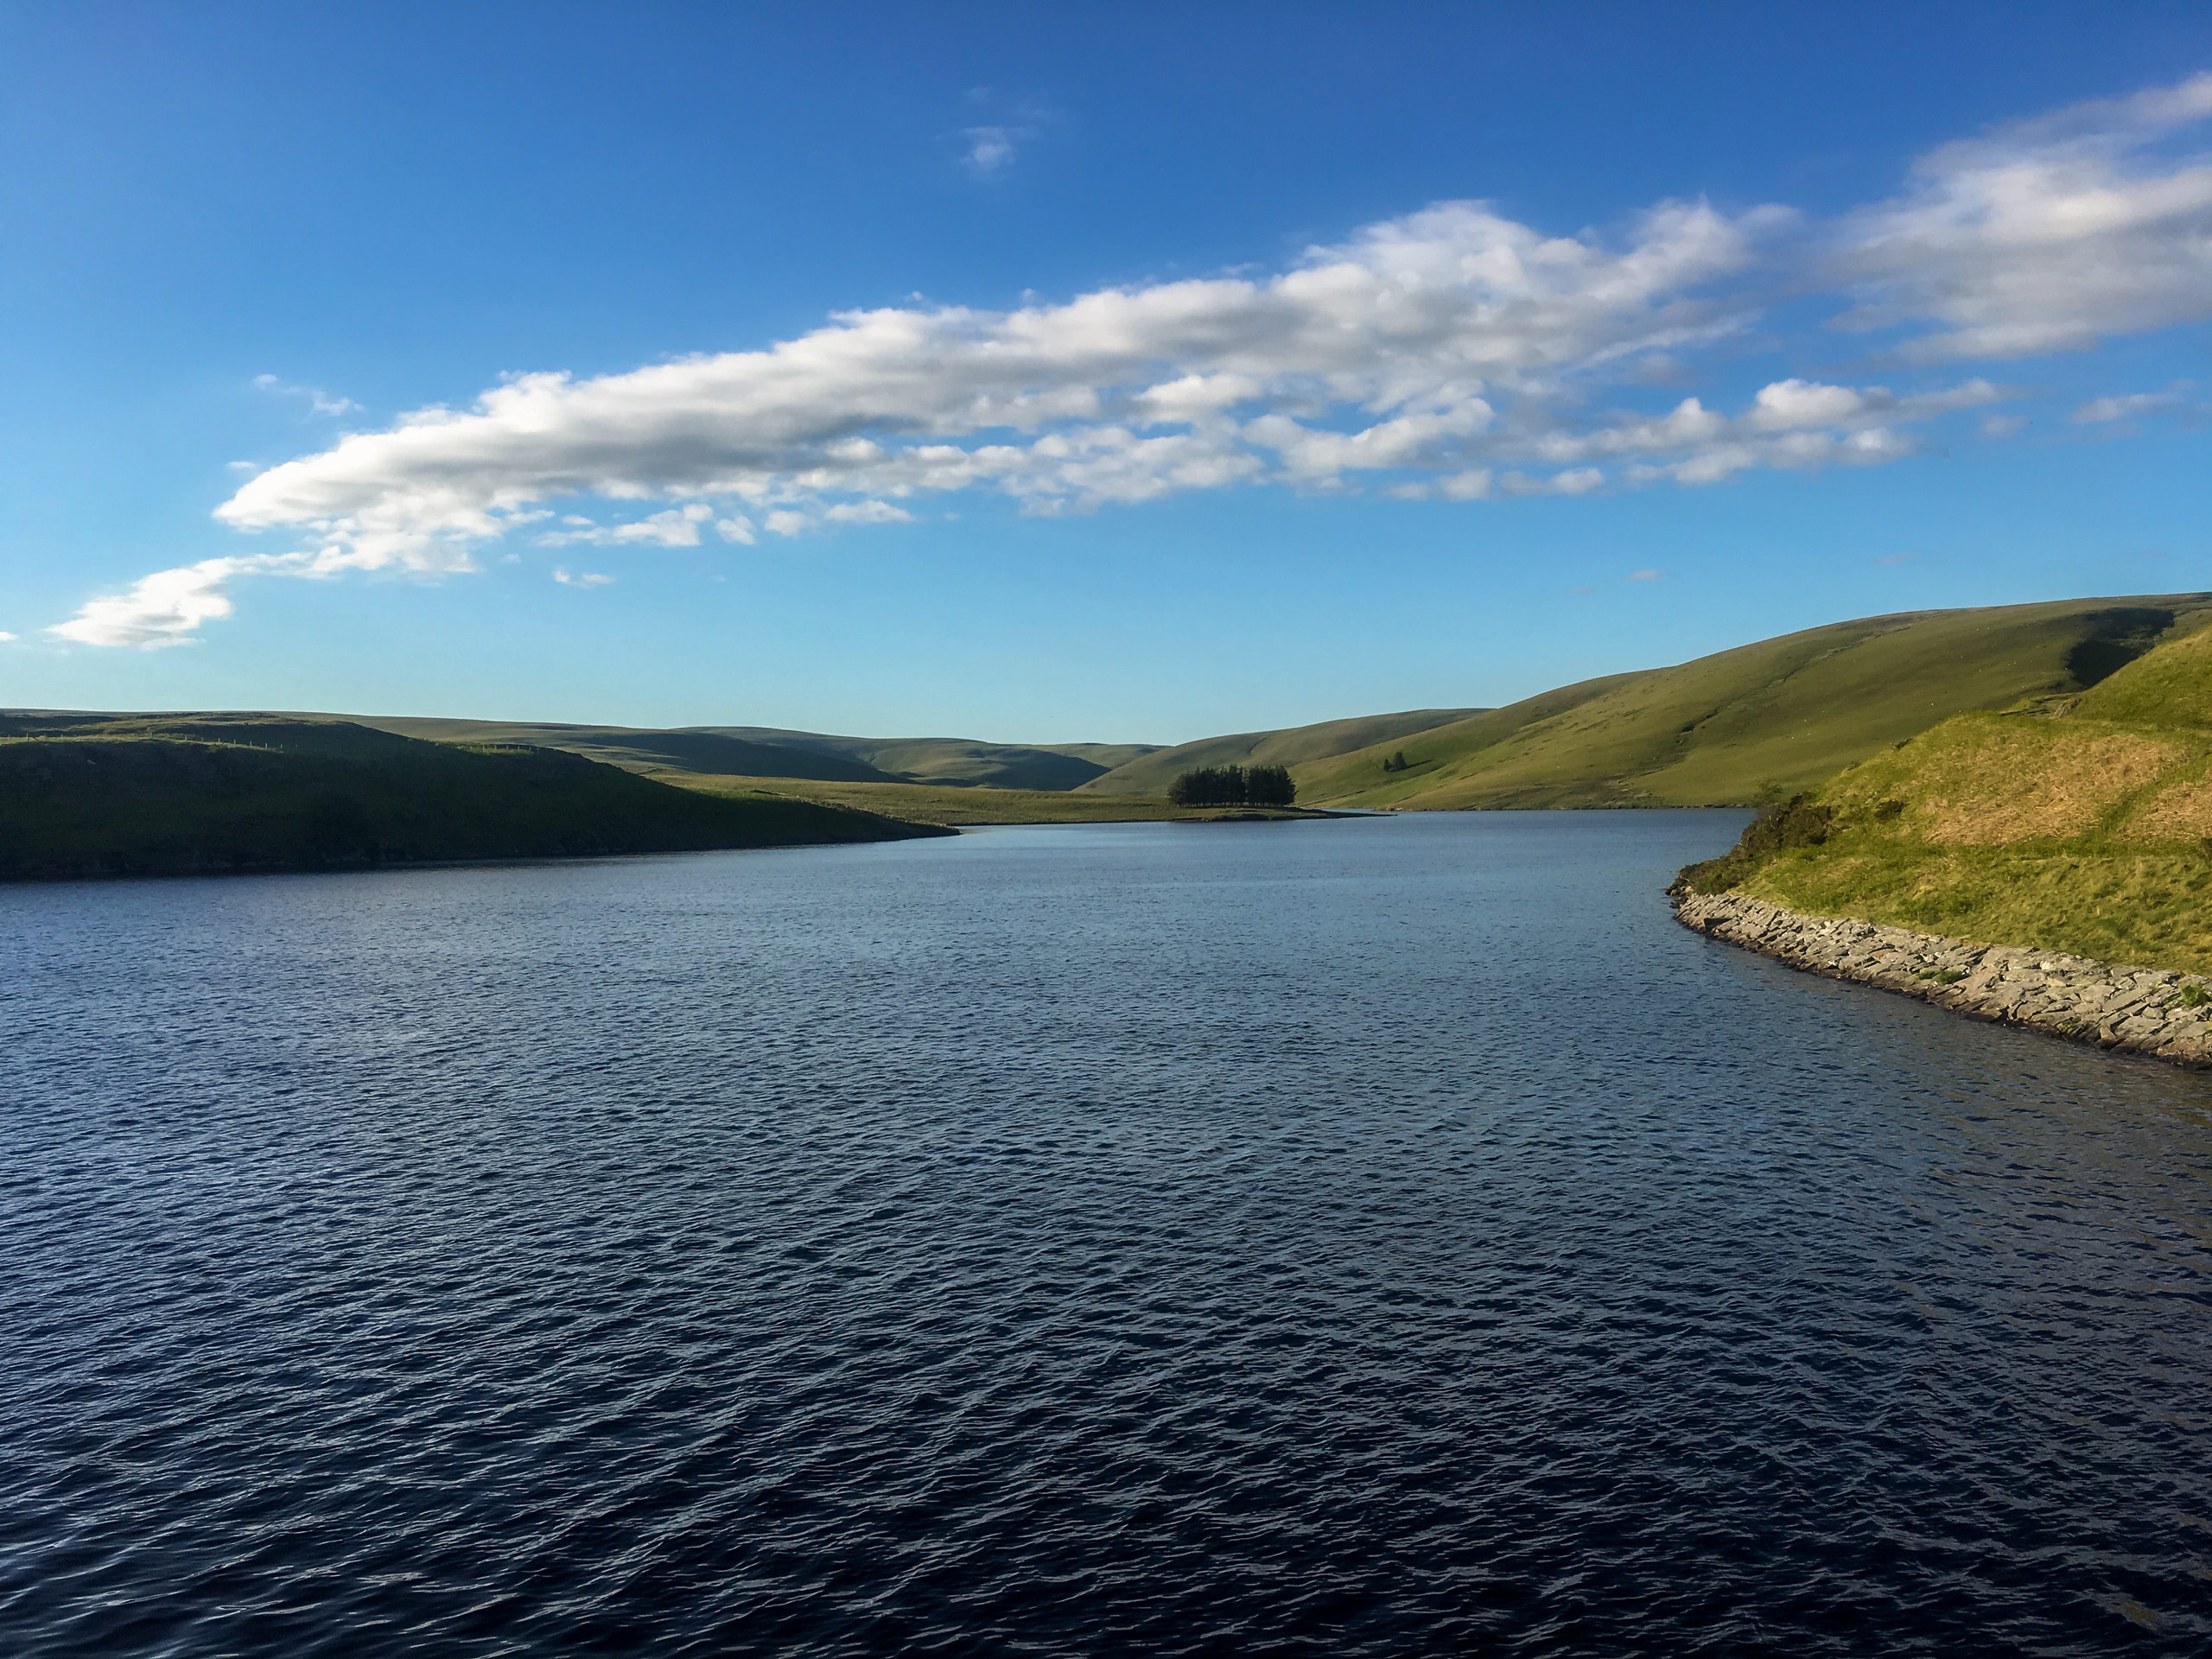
2151 1011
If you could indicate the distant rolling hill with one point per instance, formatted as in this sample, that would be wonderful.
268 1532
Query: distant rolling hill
1759 722
1150 773
692 749
769 752
141 795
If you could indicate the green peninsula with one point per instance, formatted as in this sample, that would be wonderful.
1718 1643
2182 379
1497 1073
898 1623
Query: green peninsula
2078 823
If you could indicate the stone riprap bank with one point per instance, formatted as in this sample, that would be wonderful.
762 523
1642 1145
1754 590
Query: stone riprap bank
2145 1010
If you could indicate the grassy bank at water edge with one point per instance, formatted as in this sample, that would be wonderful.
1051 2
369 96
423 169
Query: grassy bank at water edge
2081 824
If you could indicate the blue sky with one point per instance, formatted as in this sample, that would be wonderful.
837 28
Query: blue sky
1051 374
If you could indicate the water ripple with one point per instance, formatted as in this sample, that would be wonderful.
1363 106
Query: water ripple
1329 1239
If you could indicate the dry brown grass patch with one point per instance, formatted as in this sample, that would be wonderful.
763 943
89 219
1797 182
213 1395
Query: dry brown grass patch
2021 783
2181 813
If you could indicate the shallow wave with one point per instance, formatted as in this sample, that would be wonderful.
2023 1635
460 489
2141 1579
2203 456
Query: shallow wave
1350 1238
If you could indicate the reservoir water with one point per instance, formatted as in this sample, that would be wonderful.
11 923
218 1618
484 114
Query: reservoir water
1337 1238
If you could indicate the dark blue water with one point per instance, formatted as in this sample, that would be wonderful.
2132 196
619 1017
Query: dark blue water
1346 1238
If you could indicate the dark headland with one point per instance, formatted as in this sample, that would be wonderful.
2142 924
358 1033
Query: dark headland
170 795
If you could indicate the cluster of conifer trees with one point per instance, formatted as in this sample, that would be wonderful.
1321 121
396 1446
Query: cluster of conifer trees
1234 786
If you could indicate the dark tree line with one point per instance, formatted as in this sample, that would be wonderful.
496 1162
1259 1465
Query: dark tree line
1234 786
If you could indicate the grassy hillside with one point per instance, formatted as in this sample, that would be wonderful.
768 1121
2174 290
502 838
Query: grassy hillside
639 750
2081 824
923 803
769 752
1151 772
1759 722
161 795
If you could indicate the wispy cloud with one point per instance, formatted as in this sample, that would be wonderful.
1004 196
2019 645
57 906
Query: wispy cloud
319 402
582 578
987 150
2098 410
2044 235
167 607
677 527
991 150
1452 353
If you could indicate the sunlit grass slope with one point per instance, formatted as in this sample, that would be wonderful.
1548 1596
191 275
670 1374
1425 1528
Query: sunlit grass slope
1151 773
2079 824
162 795
1759 722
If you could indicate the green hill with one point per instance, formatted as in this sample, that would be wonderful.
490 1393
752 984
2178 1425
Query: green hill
138 795
639 750
2081 823
769 752
1759 722
935 804
1151 772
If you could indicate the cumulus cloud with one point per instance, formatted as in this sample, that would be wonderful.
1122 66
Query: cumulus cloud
2044 235
7 639
1381 352
1795 424
1452 353
582 578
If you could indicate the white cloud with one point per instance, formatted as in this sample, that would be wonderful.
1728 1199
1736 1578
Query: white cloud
866 512
1577 480
991 150
582 578
2099 410
2044 235
319 402
2003 426
162 609
1408 321
1797 424
1450 353
7 639
677 527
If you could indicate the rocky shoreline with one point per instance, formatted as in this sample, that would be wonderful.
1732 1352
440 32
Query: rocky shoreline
2139 1010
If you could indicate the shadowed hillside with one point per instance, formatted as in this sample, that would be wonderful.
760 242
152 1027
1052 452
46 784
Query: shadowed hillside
1759 722
2074 823
931 803
176 794
1151 773
767 751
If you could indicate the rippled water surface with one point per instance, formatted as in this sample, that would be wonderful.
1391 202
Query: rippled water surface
1344 1238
